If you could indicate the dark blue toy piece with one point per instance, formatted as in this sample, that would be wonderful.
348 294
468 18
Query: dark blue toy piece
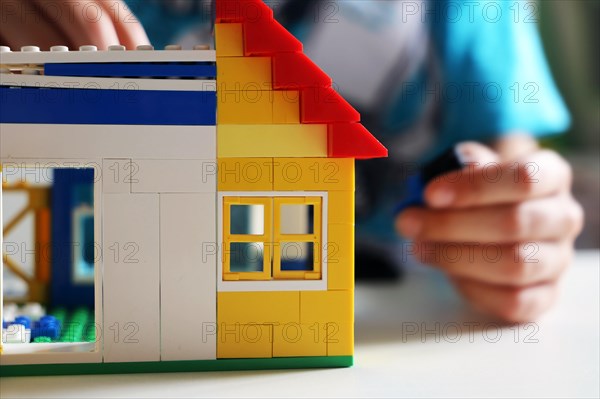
23 320
64 291
134 70
445 163
107 107
48 326
414 197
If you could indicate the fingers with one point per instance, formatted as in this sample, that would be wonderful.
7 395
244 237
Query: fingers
130 31
89 23
44 24
473 152
547 219
513 305
511 265
23 24
539 174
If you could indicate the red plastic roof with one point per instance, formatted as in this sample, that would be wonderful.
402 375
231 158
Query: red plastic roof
293 70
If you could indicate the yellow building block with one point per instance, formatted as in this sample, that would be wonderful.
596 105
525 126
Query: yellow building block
295 339
245 174
313 174
341 207
242 341
286 106
243 74
325 307
340 339
229 39
267 307
245 107
249 141
340 257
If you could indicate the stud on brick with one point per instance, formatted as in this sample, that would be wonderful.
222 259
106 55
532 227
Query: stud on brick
59 49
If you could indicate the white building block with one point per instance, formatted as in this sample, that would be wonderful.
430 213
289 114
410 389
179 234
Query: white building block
33 310
174 176
44 57
16 334
70 82
107 141
3 316
188 276
131 328
116 176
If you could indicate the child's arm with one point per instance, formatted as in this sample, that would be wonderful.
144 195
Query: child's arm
72 23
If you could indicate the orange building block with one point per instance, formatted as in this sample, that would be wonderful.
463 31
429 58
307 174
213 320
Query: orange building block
262 307
286 106
245 107
295 339
340 257
238 341
325 307
341 207
229 39
236 74
340 339
245 174
313 174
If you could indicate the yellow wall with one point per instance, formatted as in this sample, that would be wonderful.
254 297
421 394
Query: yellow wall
297 323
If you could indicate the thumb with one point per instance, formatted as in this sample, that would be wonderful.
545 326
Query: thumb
472 156
471 152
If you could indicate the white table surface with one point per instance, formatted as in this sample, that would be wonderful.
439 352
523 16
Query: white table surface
564 362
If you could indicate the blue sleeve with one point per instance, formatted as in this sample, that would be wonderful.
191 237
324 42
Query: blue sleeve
493 57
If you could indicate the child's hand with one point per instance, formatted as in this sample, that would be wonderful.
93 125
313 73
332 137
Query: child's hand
503 229
46 23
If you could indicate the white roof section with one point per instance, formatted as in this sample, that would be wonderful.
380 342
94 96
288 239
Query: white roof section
8 57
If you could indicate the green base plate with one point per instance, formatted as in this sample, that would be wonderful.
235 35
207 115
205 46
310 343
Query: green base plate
177 366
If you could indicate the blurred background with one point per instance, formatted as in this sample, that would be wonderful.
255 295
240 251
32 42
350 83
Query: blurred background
571 37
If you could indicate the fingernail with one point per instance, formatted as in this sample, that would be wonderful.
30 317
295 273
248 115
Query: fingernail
410 225
442 196
465 154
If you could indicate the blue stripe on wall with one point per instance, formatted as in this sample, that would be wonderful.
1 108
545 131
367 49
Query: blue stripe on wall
130 70
107 107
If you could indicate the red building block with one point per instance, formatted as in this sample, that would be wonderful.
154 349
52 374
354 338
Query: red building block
325 105
268 37
293 71
353 140
242 10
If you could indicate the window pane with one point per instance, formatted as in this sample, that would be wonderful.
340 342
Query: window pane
246 257
297 256
297 219
248 219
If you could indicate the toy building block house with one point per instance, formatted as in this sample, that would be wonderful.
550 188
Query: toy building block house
200 223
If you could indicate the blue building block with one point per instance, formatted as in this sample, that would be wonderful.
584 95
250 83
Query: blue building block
48 326
107 107
64 291
23 320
